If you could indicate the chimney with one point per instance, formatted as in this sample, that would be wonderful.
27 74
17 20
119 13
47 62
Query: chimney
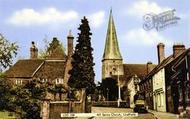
70 44
149 66
178 49
161 53
33 51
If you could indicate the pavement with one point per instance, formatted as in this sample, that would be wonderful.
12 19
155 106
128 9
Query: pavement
120 110
163 115
150 115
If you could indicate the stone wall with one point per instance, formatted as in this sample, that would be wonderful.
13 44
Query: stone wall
53 109
58 107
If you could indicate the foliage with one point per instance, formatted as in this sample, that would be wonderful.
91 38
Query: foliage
51 47
82 73
98 94
43 52
4 95
7 52
27 99
58 89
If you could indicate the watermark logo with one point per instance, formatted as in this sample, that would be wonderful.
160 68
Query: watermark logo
160 21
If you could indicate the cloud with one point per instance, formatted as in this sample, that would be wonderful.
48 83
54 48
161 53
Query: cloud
140 37
142 7
52 16
30 17
97 19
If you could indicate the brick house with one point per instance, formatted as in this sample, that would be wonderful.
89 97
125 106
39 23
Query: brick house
160 85
178 83
54 68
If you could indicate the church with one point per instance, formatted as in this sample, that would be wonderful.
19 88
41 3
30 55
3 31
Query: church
120 80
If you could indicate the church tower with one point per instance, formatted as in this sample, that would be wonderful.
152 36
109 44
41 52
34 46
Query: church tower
112 62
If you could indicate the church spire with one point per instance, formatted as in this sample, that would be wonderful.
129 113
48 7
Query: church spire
111 50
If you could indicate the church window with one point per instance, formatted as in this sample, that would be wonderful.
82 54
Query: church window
110 73
114 69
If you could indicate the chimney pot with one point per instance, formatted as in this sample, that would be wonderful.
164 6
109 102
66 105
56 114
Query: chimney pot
70 44
149 66
33 51
178 48
161 52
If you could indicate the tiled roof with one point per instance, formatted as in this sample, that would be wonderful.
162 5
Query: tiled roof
182 56
52 69
160 66
38 68
165 62
24 68
139 69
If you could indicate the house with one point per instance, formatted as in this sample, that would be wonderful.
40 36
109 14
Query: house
133 88
178 83
160 81
53 69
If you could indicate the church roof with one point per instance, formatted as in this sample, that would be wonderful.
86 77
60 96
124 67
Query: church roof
39 68
111 50
131 69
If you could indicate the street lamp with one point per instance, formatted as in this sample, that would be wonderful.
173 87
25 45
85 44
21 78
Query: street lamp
119 88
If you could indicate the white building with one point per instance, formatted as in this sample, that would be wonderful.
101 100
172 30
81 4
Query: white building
159 92
133 87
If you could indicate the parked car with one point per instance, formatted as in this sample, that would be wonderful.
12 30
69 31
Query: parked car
140 106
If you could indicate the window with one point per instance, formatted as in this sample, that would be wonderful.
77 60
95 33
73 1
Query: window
59 81
162 99
44 80
18 82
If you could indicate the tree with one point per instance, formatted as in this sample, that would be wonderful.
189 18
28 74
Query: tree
82 73
7 52
4 95
52 49
58 89
27 99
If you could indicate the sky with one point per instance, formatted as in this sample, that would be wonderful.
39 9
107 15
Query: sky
24 21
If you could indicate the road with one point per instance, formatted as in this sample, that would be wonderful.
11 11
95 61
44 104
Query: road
119 110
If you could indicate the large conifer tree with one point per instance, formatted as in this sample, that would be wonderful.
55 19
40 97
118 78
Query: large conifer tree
82 73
